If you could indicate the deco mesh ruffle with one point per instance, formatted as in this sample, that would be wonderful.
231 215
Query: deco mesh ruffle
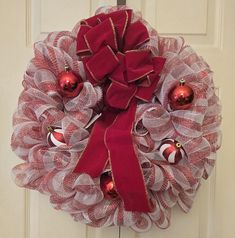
96 102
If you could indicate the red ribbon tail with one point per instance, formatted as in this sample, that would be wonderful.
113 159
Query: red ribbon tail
111 139
126 169
95 156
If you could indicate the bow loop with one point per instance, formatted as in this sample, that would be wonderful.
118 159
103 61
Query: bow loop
158 64
121 21
138 64
101 35
136 35
119 74
97 65
94 20
145 93
82 48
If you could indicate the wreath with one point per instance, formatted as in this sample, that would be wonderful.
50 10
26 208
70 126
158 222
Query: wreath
116 123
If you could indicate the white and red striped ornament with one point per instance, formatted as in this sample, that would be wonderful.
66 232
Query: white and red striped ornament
55 136
171 150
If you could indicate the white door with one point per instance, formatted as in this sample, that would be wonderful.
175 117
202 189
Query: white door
208 25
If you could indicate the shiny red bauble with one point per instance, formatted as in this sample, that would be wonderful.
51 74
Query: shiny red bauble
181 96
171 150
55 137
70 84
107 185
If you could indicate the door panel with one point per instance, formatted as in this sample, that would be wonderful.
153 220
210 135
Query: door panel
45 16
196 223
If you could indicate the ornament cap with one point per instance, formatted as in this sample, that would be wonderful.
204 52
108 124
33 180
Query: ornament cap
182 81
66 68
178 145
50 129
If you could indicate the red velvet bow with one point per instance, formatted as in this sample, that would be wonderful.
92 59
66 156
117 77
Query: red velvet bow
109 46
112 43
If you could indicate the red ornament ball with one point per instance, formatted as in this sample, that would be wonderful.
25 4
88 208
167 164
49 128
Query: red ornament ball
181 96
171 151
55 136
107 185
70 84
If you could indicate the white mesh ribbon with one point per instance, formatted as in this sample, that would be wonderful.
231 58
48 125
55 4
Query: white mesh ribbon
49 169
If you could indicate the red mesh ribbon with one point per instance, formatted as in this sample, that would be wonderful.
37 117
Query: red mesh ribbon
109 44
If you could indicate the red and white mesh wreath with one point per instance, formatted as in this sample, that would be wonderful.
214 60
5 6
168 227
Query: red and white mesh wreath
115 123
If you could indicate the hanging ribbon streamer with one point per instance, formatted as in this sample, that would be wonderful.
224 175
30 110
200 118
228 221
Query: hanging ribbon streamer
108 45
